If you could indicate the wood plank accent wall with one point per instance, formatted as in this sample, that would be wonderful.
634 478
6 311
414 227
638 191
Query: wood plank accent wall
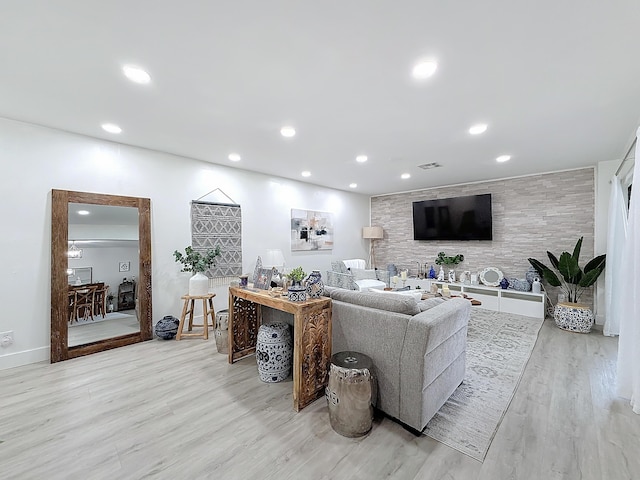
531 215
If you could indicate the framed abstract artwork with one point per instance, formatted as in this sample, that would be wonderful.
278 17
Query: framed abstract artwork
311 230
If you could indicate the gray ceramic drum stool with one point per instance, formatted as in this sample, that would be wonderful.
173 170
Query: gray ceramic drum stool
274 352
221 331
350 393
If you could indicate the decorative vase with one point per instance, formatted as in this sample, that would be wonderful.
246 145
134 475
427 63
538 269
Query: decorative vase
536 286
452 276
432 273
519 284
167 327
573 317
531 274
315 287
504 283
297 292
198 284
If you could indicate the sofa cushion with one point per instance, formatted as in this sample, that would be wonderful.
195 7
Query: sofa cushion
417 294
369 285
390 303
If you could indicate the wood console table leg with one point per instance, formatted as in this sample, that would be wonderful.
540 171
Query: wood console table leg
244 320
311 355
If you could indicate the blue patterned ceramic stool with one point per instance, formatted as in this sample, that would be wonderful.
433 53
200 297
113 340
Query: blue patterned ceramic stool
350 393
274 352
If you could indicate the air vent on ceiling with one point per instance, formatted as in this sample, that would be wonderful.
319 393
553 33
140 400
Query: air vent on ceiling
428 166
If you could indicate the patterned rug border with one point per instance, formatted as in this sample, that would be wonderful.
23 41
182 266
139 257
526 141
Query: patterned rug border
436 428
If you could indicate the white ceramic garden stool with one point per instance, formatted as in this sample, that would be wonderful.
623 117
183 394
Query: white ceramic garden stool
274 352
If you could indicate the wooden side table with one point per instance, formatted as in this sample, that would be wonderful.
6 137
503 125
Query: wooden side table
311 337
189 308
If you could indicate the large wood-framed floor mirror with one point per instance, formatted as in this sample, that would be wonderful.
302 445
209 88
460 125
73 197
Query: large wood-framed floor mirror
100 272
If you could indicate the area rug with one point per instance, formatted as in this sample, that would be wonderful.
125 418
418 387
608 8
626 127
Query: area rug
99 318
498 348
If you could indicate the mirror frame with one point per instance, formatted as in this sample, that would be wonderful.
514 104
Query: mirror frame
60 200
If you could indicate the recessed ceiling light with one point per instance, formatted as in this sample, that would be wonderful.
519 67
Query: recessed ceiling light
478 129
361 158
111 128
234 157
503 158
287 131
353 185
424 70
136 74
306 173
83 212
404 176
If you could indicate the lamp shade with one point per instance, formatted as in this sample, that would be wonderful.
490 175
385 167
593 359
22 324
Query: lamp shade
273 258
372 232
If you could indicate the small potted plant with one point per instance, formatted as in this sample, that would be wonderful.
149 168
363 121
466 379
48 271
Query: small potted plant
197 263
451 262
573 281
297 291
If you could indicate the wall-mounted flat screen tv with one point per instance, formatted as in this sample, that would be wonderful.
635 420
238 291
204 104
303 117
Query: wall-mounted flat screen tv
458 218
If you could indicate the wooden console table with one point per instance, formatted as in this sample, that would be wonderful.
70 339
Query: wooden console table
311 337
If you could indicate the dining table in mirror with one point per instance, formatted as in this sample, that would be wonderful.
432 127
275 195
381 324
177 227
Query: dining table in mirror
100 272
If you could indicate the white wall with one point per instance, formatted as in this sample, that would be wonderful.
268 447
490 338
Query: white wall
36 160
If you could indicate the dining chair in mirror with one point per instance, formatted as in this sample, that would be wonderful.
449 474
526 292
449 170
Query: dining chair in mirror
79 298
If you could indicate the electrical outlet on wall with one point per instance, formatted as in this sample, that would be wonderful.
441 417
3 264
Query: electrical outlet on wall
6 339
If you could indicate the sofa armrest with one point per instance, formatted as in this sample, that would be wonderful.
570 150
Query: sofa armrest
435 339
341 280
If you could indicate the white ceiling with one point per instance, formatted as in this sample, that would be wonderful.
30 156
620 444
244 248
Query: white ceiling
556 81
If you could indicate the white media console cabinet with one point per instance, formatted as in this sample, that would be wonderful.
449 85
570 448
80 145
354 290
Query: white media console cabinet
493 298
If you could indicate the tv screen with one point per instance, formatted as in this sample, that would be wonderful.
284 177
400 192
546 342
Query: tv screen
459 218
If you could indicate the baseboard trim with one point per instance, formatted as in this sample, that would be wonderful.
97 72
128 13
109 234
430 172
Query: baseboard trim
26 357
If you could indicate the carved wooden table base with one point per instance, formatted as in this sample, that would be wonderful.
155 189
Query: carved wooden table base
311 337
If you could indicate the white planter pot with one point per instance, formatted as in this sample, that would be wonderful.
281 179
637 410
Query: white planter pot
199 284
573 317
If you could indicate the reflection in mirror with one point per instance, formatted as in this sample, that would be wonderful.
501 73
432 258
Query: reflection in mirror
102 297
100 272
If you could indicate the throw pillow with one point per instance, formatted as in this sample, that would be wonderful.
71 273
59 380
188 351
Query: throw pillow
339 267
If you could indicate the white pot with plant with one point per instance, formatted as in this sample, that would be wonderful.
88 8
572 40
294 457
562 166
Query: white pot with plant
197 263
297 291
573 280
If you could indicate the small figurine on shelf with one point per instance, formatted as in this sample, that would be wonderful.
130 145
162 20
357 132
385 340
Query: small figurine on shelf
441 274
432 272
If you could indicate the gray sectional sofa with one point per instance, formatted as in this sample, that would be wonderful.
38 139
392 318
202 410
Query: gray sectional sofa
418 356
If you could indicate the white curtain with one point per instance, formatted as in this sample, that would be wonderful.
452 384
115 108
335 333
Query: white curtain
629 343
616 239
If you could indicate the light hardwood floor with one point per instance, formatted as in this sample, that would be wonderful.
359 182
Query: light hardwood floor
177 410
